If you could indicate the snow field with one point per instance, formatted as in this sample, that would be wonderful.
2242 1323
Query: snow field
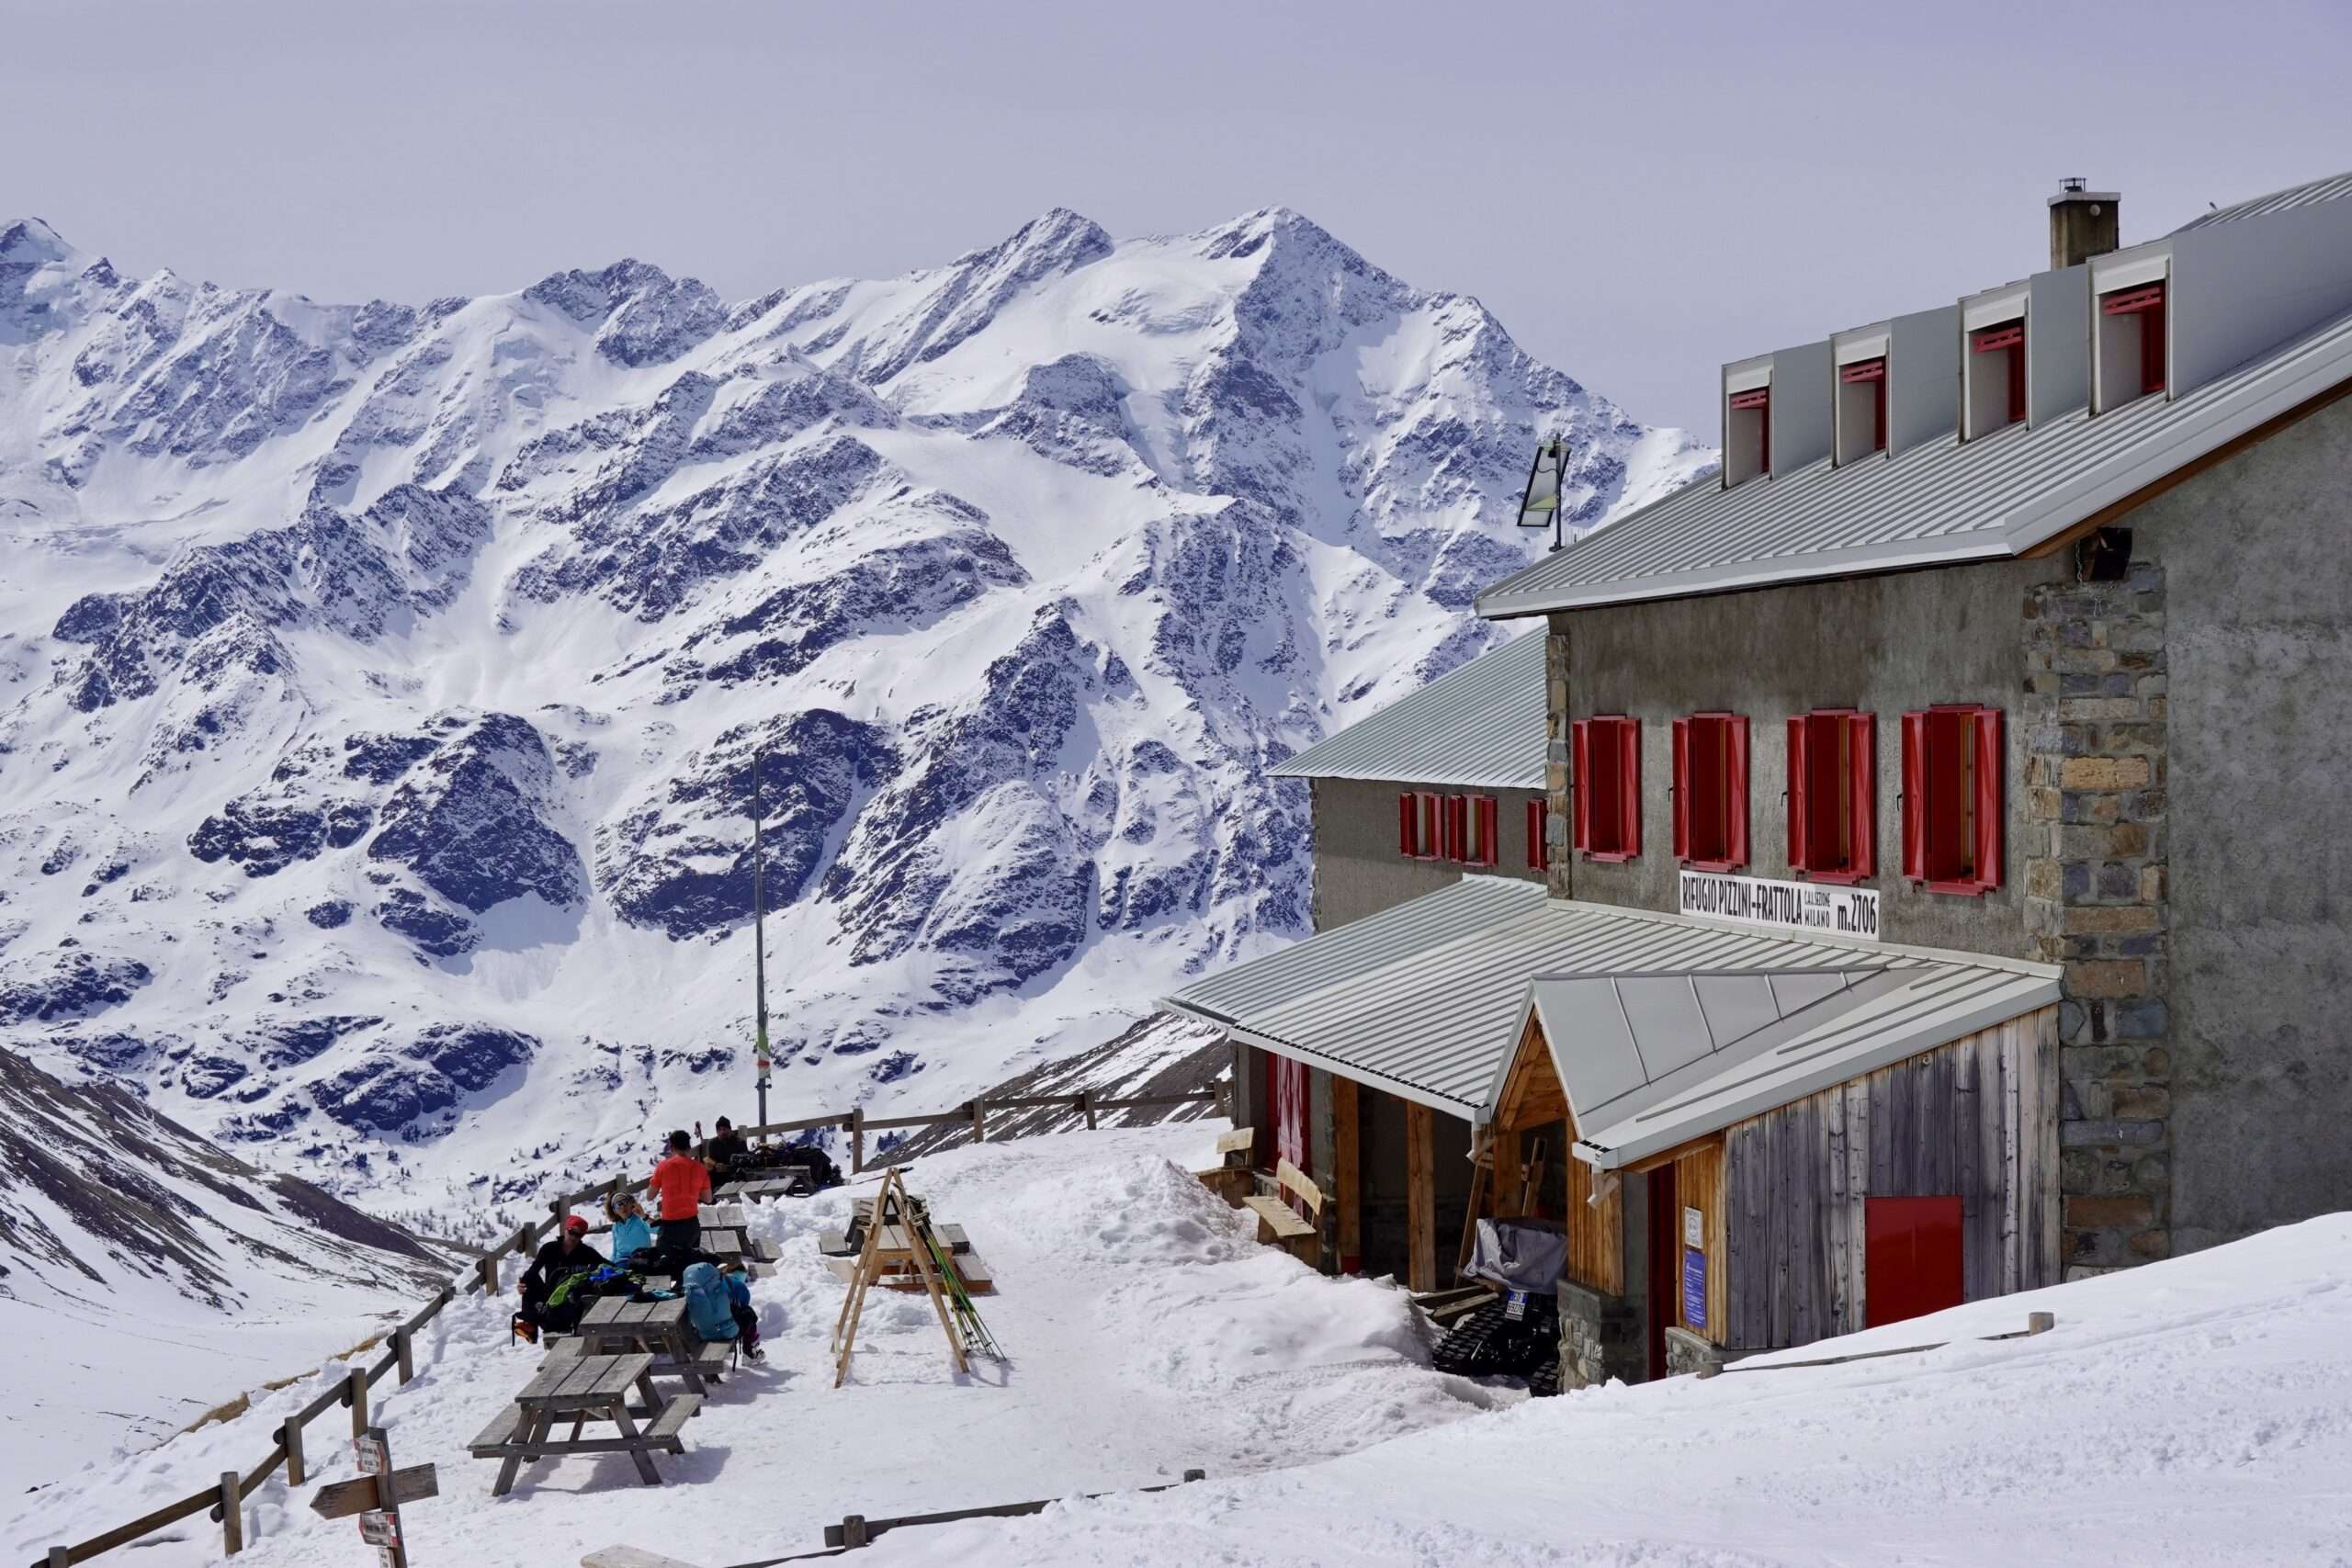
2191 1411
1147 1334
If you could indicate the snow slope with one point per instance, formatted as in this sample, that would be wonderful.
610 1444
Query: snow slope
2194 1411
380 686
1147 1332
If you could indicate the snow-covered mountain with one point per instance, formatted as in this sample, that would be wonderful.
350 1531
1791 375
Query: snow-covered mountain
380 686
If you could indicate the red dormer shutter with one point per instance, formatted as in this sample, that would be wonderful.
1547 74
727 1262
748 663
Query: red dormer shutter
1863 734
1407 842
1991 760
1915 797
1735 792
1681 789
1798 795
1456 833
1630 791
1580 747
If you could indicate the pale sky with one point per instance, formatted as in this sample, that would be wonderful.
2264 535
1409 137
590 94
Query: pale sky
1638 191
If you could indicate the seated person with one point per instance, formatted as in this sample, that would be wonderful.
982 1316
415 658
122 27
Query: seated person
632 1232
726 1153
566 1254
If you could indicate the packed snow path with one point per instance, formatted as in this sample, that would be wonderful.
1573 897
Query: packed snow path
1147 1333
2197 1410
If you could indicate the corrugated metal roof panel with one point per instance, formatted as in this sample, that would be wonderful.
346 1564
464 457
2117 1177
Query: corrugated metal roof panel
2334 187
1427 1000
1480 726
1852 1035
1938 503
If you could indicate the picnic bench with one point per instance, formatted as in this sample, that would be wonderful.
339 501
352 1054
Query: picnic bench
580 1389
1279 1224
613 1324
1229 1178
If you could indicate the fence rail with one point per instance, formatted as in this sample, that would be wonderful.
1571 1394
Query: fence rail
221 1501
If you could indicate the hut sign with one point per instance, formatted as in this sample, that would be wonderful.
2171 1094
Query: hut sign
1788 906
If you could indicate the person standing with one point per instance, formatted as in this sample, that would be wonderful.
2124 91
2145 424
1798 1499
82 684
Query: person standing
681 1185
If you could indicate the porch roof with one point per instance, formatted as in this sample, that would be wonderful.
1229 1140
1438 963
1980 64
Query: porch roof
1426 1001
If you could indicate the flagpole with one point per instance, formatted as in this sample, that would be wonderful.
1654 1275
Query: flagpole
760 934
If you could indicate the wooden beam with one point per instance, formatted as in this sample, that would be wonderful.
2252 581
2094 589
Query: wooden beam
1346 1178
1420 1196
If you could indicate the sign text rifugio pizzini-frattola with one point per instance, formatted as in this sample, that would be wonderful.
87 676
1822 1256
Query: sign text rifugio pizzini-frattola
1783 906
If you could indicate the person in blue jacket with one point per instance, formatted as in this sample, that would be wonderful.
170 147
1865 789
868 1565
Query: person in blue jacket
631 1231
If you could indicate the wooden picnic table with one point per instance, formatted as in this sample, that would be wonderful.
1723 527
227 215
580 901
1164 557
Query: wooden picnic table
723 1214
616 1324
581 1389
784 1181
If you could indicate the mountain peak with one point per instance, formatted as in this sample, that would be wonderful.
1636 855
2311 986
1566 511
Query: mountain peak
29 242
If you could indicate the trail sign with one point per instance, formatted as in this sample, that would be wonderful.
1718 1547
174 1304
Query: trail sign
379 1529
370 1452
377 1496
345 1499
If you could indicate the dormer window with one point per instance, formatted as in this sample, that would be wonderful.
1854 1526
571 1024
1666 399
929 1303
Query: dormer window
1748 435
2132 343
1995 377
1861 408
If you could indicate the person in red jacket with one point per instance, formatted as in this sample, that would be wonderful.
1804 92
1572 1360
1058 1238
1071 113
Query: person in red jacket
681 1185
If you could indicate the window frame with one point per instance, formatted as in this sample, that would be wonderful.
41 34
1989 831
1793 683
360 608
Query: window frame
2007 340
1734 748
2149 301
1619 735
1860 783
1985 745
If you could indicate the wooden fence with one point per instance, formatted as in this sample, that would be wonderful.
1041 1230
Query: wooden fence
223 1502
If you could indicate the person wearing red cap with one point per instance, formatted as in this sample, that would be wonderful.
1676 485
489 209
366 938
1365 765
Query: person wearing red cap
569 1253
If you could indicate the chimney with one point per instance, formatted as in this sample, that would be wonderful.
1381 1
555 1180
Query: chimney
2081 223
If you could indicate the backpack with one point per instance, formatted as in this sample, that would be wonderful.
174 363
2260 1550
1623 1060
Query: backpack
566 1301
709 1310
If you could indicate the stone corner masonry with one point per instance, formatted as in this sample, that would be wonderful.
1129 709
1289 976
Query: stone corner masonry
2096 892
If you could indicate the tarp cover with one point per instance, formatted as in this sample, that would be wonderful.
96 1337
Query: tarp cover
1520 1255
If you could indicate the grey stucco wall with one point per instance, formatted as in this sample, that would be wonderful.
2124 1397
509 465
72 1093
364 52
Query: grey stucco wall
1357 869
2259 646
1884 645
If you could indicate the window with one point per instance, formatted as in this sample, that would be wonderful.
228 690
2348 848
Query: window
2129 358
1420 825
1748 435
1995 377
1710 791
1833 794
1952 768
1861 408
1608 765
1539 847
1470 828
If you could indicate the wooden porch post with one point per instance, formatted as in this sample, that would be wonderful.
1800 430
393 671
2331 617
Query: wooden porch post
1420 1196
1345 1128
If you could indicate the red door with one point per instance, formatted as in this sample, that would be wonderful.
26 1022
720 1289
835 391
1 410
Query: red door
1911 1265
1666 1263
1286 1094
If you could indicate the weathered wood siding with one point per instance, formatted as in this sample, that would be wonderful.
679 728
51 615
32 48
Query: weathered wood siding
1699 1184
1532 1099
1978 1117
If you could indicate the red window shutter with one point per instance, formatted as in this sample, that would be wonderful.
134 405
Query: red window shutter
2017 383
1915 797
1407 842
1990 767
1489 811
1863 729
1629 797
1535 835
1581 746
1735 791
2151 349
1454 827
1681 789
1800 779
1431 834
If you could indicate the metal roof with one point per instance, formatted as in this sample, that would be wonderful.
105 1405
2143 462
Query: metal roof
1855 1031
1937 504
1427 1000
2334 187
1480 725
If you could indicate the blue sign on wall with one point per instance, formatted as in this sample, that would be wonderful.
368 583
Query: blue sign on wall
1694 1287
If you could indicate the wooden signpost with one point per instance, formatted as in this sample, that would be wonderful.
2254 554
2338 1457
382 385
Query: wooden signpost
377 1496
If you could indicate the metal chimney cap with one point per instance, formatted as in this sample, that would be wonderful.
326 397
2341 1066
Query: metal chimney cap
2075 192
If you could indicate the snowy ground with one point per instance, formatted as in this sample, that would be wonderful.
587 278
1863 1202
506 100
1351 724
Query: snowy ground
2197 1410
1147 1334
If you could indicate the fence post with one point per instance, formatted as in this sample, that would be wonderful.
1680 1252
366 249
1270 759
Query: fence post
354 1393
401 1348
291 1433
488 1267
2040 1322
857 1140
853 1530
61 1557
556 1209
979 1123
233 1515
1086 1106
